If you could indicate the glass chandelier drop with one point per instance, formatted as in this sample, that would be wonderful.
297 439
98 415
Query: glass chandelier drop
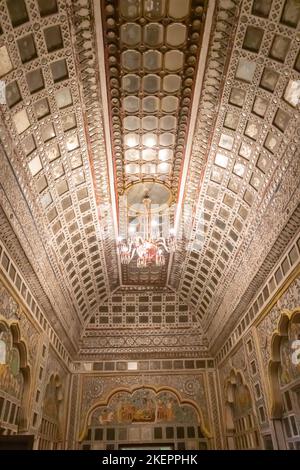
150 247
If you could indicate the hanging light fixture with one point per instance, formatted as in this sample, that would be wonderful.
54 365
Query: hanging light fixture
150 247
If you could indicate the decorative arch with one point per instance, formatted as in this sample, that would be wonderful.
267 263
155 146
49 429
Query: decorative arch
19 345
53 396
130 391
280 335
51 427
235 378
239 413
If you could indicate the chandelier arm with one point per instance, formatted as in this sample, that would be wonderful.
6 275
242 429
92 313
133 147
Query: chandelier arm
149 246
162 242
133 252
139 239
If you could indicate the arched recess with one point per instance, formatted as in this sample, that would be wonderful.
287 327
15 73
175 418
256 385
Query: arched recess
240 419
15 379
284 376
51 427
147 405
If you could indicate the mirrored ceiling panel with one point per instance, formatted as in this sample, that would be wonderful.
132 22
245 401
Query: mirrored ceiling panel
153 48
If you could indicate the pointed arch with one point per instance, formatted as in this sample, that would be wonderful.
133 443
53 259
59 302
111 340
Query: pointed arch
287 318
239 409
19 343
51 426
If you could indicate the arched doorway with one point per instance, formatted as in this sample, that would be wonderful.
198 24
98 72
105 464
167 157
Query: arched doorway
284 375
50 432
145 417
240 419
14 381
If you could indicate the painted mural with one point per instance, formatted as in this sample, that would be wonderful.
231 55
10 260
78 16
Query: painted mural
11 378
143 406
288 371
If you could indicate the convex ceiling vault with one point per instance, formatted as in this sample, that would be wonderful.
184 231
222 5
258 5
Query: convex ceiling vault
151 54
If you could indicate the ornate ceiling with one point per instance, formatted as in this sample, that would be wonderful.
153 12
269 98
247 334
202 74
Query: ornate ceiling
53 117
202 97
142 323
152 49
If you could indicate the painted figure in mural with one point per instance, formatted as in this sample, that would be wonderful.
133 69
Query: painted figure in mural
126 412
161 411
294 336
8 382
146 412
144 407
106 416
139 407
11 379
170 409
166 406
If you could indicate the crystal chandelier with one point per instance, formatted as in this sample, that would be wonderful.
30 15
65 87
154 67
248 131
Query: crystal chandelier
151 248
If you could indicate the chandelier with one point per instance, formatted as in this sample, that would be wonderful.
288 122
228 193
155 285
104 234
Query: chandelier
150 247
